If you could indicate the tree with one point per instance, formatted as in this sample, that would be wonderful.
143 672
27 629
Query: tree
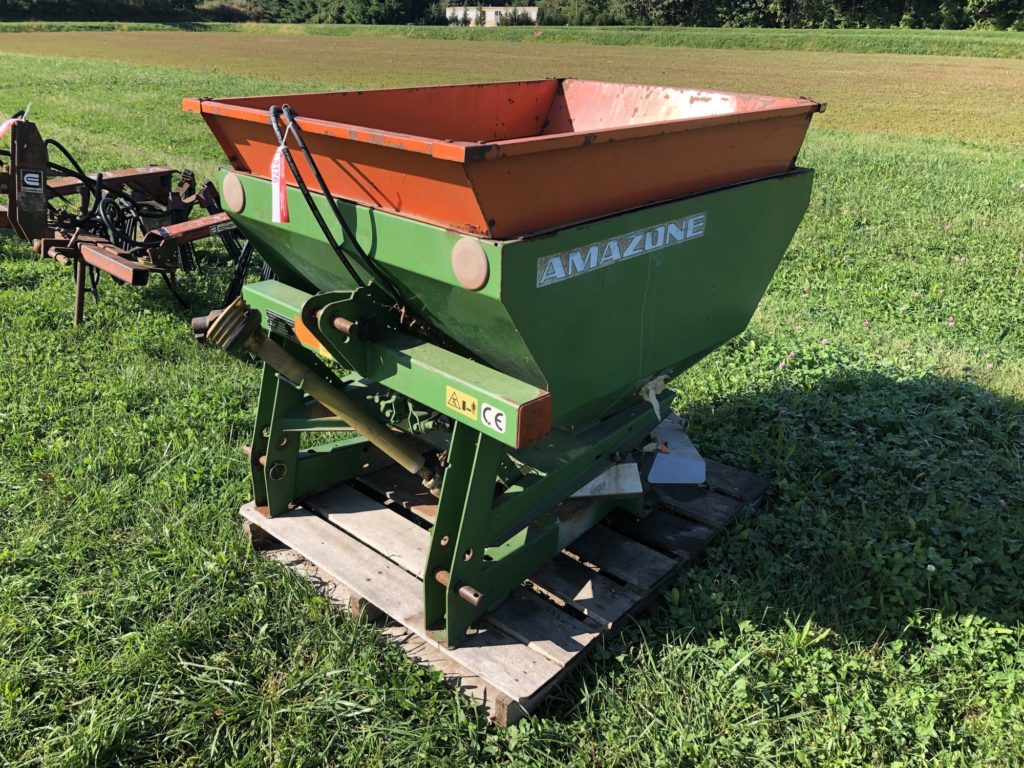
386 11
288 11
515 17
95 10
576 12
945 14
998 14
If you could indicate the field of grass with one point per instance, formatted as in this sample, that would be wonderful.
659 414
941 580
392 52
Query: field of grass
869 615
968 99
935 42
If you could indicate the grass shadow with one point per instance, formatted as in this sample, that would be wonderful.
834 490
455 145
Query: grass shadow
893 501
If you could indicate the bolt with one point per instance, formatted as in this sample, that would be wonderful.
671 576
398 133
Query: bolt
278 471
344 325
472 596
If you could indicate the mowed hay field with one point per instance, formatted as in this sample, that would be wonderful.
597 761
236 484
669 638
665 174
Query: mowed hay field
870 614
971 99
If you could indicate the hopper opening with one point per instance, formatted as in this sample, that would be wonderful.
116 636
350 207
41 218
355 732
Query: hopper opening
497 112
507 159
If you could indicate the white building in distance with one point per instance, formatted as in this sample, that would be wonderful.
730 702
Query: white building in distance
491 13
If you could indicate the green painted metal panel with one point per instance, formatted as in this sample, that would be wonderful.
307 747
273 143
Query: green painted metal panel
274 296
416 257
606 306
464 390
589 313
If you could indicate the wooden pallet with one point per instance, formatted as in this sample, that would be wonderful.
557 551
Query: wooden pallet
368 555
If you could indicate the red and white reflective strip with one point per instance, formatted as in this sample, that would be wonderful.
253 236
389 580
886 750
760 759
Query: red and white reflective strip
278 184
278 189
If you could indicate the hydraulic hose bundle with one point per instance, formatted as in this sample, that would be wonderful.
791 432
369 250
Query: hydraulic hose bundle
286 113
128 223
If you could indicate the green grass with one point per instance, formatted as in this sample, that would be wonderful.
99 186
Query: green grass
869 616
934 42
971 100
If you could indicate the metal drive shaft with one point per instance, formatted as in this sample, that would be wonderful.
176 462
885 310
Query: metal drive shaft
237 327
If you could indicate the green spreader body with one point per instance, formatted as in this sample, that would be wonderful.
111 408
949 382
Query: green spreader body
530 367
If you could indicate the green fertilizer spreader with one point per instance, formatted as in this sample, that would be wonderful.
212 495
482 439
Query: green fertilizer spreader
485 288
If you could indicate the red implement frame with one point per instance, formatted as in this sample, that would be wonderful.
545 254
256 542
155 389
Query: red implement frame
69 234
154 180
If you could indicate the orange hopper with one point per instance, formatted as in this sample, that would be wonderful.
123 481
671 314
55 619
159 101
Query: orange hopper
501 160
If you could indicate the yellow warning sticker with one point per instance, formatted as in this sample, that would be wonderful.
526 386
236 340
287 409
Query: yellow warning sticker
460 402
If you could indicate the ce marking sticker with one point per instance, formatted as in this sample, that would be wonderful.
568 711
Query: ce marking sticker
493 418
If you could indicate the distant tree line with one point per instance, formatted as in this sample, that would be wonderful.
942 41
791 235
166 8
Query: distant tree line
934 14
347 11
99 10
793 14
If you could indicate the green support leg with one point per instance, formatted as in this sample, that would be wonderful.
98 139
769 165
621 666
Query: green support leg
261 433
484 544
280 462
282 473
472 457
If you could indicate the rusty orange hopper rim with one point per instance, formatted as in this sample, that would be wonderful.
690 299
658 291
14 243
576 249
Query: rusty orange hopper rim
503 160
469 151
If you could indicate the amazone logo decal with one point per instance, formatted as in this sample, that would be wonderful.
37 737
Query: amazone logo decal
605 253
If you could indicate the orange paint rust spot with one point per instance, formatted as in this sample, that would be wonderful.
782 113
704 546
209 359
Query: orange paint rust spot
306 338
534 420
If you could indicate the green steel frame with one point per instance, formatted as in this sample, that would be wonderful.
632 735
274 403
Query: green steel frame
496 519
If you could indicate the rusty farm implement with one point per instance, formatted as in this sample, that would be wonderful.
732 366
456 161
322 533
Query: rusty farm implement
128 223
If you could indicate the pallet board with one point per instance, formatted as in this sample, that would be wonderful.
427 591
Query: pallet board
368 555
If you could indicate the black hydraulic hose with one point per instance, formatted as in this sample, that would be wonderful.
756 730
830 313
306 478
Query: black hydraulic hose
364 258
63 150
87 182
97 199
275 114
127 242
96 183
97 196
78 173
